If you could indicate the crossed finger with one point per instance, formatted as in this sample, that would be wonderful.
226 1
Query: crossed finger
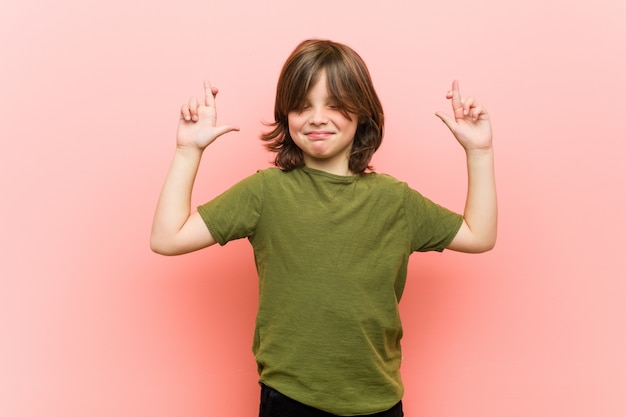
464 107
209 94
457 101
189 111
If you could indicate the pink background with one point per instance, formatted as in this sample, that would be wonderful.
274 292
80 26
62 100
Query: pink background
94 324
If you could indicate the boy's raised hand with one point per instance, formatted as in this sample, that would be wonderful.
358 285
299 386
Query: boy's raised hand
197 125
470 125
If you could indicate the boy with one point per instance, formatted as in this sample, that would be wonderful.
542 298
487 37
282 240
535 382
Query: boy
331 238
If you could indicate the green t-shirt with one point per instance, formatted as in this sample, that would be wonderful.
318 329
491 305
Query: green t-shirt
331 254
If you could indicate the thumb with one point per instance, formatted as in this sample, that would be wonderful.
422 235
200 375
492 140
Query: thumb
448 120
222 130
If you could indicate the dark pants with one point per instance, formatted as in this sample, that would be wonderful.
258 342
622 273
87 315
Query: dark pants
275 404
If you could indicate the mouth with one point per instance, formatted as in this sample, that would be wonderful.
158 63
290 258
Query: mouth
318 134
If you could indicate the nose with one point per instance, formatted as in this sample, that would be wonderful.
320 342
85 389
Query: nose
318 116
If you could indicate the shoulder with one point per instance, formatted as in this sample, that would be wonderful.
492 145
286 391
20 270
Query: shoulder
270 172
384 183
260 177
273 174
381 178
273 183
393 189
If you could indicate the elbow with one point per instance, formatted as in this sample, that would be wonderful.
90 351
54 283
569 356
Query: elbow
469 241
479 245
486 245
172 246
156 248
486 241
159 247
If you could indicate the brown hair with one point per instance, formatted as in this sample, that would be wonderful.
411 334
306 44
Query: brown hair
349 85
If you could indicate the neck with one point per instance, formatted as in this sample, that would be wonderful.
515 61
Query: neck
335 167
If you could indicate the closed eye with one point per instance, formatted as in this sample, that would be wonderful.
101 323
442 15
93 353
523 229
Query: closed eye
302 108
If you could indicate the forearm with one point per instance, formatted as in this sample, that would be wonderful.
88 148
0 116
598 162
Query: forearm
481 208
174 204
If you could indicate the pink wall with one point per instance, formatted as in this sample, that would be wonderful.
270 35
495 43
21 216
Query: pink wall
94 324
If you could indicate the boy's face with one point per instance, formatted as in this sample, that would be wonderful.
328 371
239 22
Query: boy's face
322 131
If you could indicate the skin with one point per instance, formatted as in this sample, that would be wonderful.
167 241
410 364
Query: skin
322 131
471 126
176 229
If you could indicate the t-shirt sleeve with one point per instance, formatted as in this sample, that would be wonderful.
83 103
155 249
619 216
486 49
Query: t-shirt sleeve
235 213
432 226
